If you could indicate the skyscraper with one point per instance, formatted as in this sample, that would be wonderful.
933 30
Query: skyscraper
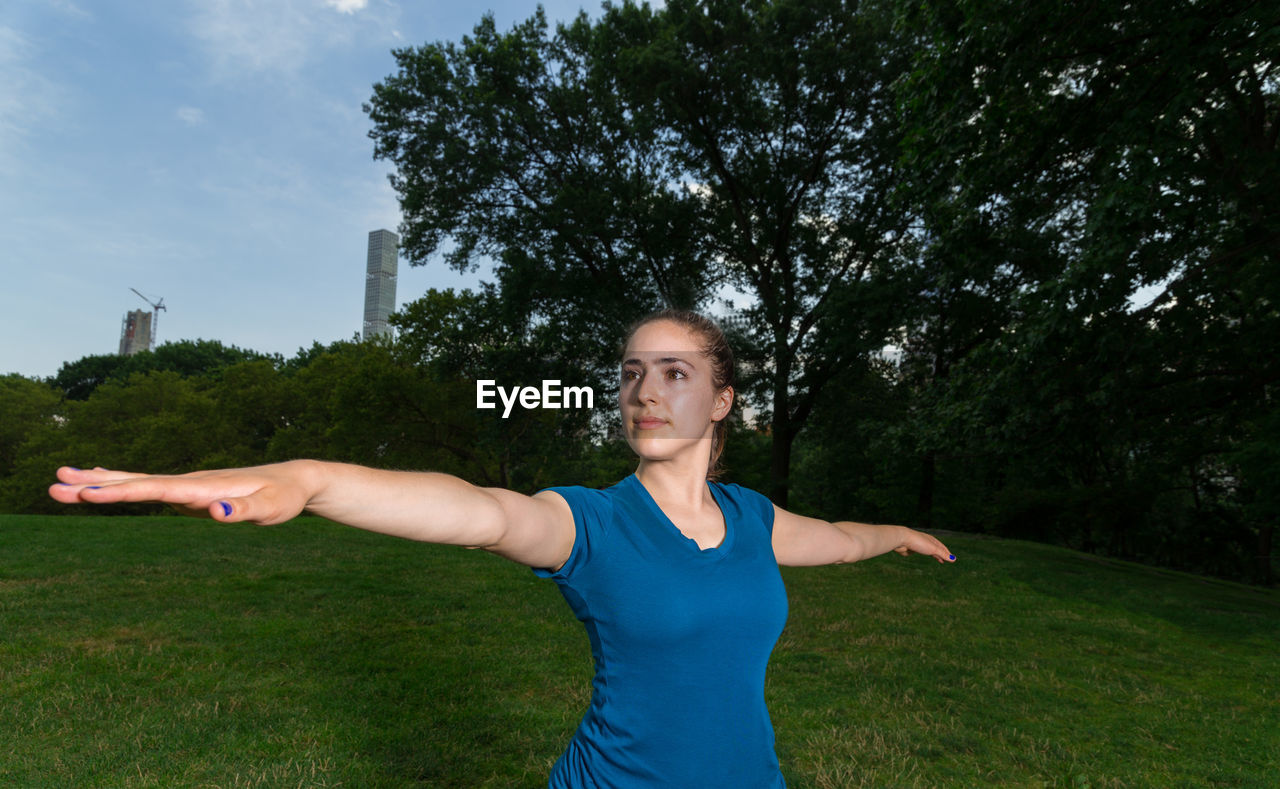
380 282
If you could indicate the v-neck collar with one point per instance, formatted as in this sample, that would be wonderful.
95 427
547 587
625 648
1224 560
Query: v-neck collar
718 551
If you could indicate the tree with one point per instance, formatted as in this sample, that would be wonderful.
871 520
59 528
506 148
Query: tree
654 155
458 339
1133 145
80 378
253 402
157 421
780 111
77 380
513 146
25 406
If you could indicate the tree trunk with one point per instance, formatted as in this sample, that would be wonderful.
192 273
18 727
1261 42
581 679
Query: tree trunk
780 450
1265 534
780 457
924 503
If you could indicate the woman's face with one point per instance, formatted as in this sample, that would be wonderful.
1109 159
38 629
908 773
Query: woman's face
666 392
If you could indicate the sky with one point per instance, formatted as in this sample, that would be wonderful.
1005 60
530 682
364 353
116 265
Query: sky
212 153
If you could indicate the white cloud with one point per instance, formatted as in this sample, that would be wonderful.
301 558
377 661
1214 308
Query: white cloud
70 9
275 37
27 98
241 36
192 116
347 6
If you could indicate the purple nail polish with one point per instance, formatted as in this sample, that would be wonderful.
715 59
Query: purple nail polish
226 508
94 487
953 557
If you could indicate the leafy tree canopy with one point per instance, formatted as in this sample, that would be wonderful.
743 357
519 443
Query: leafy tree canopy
80 378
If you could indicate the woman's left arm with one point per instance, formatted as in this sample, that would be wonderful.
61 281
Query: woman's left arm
799 541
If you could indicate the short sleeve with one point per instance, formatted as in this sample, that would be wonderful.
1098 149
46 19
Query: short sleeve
592 511
752 501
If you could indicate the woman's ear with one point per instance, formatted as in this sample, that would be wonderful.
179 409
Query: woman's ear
724 402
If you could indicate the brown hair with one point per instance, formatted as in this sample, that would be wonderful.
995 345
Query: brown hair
716 348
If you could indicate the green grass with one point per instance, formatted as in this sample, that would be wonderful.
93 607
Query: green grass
174 652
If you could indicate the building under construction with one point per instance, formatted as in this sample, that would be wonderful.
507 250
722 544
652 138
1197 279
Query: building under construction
135 332
138 331
380 282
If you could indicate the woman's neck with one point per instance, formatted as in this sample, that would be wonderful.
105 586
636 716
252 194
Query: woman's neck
680 482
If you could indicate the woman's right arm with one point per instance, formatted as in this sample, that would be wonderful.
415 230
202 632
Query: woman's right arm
537 531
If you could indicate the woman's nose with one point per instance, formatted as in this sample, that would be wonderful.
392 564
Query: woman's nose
646 389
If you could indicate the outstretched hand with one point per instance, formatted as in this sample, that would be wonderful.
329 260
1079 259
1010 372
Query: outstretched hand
926 544
262 494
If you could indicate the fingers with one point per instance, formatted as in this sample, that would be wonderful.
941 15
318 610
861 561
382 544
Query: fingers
265 495
928 545
65 493
187 491
73 481
168 490
75 476
939 551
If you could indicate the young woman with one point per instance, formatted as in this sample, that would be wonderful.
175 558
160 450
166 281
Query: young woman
674 575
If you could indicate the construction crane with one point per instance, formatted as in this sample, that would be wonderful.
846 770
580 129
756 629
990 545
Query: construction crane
156 306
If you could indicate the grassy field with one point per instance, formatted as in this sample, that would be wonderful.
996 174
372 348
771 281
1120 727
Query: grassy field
164 652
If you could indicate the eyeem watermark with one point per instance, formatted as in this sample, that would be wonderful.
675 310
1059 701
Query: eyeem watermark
551 395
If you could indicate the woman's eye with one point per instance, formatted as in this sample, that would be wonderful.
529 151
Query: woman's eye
627 375
676 372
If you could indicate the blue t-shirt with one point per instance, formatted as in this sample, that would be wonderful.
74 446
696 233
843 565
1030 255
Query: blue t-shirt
680 636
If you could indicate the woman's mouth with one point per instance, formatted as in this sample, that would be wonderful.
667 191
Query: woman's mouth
649 422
